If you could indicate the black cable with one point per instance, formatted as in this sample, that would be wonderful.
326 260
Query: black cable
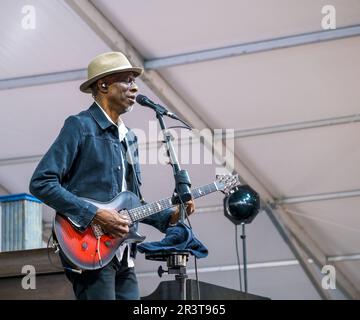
197 280
185 124
183 207
54 265
237 255
180 127
48 254
195 260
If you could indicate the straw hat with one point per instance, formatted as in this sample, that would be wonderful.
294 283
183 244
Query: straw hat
105 64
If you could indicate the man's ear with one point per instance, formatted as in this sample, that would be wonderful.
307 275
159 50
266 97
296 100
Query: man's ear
102 86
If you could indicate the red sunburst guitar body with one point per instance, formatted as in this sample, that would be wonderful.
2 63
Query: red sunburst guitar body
88 249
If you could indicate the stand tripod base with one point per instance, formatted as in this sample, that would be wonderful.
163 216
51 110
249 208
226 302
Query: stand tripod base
169 290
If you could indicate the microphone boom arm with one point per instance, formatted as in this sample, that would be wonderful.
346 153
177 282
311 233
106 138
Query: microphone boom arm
159 109
182 192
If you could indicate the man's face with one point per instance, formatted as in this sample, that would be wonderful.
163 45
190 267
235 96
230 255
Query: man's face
121 90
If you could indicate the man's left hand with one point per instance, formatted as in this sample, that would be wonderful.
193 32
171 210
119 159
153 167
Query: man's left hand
190 208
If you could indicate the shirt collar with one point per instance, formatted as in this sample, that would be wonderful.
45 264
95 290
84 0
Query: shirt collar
120 125
99 117
106 115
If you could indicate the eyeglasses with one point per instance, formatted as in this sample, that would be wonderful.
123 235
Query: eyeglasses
129 80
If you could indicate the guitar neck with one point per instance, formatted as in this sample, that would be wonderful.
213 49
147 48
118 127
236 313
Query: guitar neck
147 210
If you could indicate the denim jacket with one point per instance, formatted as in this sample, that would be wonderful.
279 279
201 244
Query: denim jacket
85 161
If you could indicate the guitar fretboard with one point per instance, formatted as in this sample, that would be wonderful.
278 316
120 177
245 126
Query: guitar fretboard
147 210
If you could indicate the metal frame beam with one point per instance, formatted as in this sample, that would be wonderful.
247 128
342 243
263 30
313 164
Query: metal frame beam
43 79
256 265
318 197
354 118
286 229
20 160
3 189
347 257
306 250
253 47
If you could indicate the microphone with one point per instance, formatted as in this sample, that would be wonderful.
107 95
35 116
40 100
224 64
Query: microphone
146 102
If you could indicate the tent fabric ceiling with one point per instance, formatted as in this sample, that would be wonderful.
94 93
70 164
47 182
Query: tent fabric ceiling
305 162
271 88
292 82
60 41
206 24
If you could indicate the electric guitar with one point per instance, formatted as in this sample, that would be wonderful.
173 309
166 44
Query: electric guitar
92 248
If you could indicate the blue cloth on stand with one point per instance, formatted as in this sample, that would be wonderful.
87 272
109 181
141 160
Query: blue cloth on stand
177 238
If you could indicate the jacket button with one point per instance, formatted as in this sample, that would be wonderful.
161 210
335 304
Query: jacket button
119 167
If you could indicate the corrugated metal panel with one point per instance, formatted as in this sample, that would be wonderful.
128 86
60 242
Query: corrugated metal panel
0 228
21 221
33 225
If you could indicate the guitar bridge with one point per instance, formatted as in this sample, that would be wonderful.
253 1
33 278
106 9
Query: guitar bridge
97 230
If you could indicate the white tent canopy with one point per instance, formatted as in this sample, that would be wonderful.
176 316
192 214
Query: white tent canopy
266 69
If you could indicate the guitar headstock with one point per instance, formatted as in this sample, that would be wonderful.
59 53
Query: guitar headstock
226 182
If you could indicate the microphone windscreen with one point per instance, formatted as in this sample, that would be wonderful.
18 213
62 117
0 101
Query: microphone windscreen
141 99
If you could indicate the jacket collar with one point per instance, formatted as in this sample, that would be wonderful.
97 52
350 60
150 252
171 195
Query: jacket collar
104 123
99 117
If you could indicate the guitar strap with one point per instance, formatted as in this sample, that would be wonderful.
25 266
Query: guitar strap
130 155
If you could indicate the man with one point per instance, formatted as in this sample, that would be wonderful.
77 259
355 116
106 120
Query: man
88 160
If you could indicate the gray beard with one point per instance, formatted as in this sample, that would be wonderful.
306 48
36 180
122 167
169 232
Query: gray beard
129 109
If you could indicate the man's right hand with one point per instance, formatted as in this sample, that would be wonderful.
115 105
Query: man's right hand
113 223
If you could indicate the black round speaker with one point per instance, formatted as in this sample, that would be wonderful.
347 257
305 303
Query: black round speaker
242 205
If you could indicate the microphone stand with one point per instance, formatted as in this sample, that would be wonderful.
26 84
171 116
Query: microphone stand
182 192
181 195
